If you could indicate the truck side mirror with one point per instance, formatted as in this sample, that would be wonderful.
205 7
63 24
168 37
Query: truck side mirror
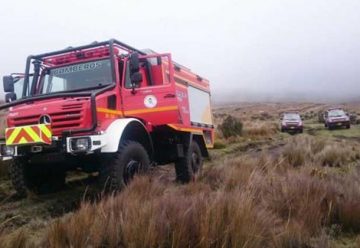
134 63
10 97
8 82
135 75
136 79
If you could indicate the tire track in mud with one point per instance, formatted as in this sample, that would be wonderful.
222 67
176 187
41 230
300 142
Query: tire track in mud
36 211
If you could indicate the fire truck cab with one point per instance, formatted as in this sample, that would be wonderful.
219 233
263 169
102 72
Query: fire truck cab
105 107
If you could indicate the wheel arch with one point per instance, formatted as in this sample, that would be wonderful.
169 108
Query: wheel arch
200 141
127 129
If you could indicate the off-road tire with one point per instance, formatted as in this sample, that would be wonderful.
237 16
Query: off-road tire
114 173
17 176
189 168
348 126
40 179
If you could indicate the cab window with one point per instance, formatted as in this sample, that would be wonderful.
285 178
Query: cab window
153 72
19 86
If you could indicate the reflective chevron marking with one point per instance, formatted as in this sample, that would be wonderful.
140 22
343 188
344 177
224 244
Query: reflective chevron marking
28 135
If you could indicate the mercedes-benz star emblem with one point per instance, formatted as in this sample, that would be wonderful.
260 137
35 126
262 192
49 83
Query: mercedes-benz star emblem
45 119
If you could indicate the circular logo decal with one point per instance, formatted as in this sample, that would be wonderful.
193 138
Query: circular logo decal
150 101
45 119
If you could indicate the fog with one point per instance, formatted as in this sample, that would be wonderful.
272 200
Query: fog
254 50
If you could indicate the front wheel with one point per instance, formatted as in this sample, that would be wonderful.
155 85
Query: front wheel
36 178
118 169
189 167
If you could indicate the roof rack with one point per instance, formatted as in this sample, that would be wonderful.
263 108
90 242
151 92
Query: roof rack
110 43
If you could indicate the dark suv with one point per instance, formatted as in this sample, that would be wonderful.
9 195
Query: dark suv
336 117
291 122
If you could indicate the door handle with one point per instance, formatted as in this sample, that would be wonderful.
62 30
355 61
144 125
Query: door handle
169 96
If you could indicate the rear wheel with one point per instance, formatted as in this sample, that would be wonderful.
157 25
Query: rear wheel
189 167
118 169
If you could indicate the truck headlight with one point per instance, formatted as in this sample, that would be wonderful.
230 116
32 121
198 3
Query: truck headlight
81 144
7 150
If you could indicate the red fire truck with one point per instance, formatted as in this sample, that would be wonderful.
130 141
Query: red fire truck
105 107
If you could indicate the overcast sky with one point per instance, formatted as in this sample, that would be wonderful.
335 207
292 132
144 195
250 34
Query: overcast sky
252 49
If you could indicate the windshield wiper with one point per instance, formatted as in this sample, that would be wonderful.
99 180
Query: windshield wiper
76 90
88 88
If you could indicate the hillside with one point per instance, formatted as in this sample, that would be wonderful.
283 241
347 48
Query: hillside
260 189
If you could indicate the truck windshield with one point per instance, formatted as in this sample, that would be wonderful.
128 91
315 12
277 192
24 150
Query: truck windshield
76 77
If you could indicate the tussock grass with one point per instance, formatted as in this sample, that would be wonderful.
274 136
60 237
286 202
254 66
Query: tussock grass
306 149
187 216
19 238
239 202
260 129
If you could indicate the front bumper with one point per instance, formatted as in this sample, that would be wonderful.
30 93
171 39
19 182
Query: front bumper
96 143
291 128
339 124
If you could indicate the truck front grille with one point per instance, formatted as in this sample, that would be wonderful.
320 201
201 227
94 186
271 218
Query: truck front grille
70 116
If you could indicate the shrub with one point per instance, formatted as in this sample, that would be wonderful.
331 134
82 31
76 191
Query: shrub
353 118
231 126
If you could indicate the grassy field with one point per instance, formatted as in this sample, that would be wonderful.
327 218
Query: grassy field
260 189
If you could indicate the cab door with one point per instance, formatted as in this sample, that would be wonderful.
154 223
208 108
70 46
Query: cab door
153 100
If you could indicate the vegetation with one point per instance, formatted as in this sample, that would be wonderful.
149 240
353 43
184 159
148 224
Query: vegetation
319 151
262 188
2 123
240 202
231 126
260 129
